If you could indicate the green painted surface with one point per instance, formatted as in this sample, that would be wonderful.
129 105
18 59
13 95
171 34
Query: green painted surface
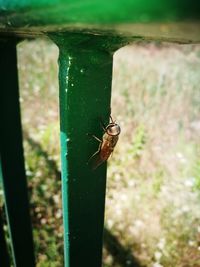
4 257
102 11
85 75
117 17
12 160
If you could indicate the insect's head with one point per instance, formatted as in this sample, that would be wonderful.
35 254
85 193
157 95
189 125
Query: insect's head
113 129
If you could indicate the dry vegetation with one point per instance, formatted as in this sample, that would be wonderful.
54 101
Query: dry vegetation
152 204
153 185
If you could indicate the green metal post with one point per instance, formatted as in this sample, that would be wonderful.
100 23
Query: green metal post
4 257
85 75
12 160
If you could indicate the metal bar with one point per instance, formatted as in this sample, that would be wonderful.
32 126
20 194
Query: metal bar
12 160
85 76
4 257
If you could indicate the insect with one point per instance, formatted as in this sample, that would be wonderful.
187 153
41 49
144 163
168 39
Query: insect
107 144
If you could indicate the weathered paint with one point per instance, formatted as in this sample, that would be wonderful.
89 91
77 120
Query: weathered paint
85 75
12 160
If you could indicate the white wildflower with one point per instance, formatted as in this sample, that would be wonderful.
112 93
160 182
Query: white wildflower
156 264
191 243
158 255
161 243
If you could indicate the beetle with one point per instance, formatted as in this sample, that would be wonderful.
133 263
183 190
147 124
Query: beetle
107 144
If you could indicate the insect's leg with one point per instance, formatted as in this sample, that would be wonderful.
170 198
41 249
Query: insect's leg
99 140
96 151
94 155
102 124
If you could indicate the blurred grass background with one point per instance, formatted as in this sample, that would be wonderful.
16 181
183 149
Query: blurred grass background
152 204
